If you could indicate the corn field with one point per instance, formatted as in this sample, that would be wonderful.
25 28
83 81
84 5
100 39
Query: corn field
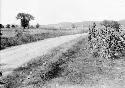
107 39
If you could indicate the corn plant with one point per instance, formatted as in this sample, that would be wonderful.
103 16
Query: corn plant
108 41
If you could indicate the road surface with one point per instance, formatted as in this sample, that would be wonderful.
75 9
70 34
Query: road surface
14 57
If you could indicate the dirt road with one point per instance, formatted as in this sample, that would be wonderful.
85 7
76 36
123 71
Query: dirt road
14 57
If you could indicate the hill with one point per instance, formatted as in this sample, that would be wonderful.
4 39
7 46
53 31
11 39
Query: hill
122 22
84 24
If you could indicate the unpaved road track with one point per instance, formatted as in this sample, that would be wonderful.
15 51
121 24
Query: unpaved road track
18 55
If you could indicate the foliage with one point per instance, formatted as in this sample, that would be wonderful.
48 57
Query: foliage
111 24
8 26
37 25
13 26
25 18
107 39
1 26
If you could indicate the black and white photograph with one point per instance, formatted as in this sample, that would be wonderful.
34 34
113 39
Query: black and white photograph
62 43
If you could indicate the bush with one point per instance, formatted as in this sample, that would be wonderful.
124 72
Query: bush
107 39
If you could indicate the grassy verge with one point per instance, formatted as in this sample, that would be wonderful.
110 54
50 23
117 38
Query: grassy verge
73 65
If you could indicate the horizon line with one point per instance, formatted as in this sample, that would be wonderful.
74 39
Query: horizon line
66 22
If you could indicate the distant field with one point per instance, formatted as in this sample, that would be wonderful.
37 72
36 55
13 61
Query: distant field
12 37
11 32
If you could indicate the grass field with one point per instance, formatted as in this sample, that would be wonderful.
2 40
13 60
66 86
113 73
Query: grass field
72 65
13 37
11 32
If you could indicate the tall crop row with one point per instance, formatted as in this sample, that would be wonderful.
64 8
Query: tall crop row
107 40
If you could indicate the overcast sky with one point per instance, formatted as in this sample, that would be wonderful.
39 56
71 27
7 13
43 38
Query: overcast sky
55 11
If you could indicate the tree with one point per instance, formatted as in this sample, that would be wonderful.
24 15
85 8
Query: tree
8 26
25 18
37 25
1 26
13 26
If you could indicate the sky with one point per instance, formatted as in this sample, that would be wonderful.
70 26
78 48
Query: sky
56 11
